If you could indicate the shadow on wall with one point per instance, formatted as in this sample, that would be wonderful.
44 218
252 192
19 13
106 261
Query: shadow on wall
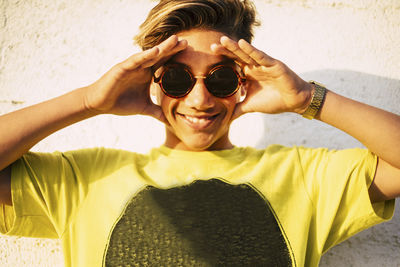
288 129
377 246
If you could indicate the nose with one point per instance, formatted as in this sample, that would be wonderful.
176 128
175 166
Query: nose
199 97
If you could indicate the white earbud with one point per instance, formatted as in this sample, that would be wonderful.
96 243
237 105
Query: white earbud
153 94
243 94
154 99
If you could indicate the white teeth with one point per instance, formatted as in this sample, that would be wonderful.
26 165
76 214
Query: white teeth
196 120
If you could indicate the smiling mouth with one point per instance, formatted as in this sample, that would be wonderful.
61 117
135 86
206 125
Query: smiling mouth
198 122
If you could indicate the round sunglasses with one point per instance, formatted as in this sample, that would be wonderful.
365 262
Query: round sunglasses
221 81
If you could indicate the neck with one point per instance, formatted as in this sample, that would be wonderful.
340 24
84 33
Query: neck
175 143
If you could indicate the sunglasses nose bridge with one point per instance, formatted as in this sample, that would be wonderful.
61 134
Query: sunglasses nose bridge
196 82
200 77
199 97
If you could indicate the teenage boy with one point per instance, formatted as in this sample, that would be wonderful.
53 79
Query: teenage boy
198 200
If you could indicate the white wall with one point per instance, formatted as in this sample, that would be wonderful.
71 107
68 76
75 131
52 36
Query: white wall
51 47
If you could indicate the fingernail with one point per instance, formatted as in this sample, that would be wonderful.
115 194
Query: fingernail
225 38
183 42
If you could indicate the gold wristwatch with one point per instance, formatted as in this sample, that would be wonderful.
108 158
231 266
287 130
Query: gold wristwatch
317 101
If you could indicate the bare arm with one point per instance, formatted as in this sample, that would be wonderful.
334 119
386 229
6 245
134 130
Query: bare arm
378 130
22 129
123 90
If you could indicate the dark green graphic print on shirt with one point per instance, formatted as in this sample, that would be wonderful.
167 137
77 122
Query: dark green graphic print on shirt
206 223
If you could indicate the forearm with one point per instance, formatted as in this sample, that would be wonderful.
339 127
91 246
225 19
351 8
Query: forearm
377 129
22 129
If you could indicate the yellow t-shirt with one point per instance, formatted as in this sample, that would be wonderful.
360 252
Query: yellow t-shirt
274 207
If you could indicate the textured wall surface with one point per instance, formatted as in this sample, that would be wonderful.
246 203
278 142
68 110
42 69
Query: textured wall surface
48 48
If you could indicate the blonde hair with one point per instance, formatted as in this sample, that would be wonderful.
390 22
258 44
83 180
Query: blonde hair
234 18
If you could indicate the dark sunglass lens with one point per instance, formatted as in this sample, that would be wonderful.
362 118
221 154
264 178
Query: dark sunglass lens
176 81
222 82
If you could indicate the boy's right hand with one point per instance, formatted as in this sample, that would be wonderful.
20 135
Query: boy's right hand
124 89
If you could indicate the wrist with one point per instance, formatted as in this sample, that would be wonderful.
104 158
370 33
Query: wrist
306 95
317 100
87 106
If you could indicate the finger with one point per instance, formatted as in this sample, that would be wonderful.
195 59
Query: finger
258 56
233 47
168 43
167 54
168 47
218 49
138 59
172 43
148 57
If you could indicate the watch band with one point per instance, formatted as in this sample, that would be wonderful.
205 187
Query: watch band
316 101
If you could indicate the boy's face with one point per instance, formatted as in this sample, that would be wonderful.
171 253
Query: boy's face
199 120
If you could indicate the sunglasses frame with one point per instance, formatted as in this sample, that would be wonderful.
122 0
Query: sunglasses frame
193 78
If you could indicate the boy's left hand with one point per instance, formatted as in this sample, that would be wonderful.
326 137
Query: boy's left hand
271 86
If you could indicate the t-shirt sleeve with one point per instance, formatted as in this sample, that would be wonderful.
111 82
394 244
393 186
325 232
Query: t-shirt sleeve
47 189
338 182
